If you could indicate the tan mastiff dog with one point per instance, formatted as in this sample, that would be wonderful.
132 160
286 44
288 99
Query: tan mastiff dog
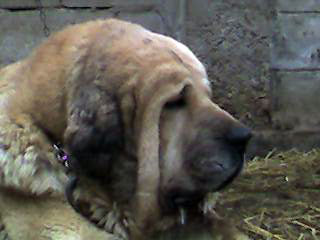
143 142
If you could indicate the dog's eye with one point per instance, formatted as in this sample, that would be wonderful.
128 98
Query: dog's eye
177 103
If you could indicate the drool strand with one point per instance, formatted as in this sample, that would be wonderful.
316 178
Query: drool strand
183 215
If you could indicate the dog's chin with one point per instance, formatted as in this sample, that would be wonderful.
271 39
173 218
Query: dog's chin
189 226
189 220
186 205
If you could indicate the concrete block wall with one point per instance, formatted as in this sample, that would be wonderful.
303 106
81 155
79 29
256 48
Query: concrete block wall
23 24
295 77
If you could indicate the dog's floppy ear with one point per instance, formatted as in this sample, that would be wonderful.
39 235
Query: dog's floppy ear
93 129
151 99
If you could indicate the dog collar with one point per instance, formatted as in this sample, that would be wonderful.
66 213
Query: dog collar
61 155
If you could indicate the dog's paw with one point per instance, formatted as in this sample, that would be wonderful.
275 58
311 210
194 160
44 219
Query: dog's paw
111 220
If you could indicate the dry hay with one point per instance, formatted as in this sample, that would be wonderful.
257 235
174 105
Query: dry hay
276 197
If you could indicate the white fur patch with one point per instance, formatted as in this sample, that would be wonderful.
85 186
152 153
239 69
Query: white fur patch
206 82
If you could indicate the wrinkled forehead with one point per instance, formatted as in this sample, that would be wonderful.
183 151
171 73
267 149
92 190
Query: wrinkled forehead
186 57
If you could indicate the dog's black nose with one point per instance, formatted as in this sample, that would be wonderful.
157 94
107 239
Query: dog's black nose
239 136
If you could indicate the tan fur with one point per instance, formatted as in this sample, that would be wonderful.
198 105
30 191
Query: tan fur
38 218
78 80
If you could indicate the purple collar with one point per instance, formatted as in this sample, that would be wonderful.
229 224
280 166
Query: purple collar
61 155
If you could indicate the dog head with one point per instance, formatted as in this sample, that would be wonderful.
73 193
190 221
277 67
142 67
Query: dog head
201 147
151 100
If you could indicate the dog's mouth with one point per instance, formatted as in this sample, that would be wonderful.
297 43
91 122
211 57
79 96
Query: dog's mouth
187 201
178 198
188 208
186 205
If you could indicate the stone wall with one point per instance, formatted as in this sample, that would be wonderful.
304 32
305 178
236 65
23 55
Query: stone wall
278 98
